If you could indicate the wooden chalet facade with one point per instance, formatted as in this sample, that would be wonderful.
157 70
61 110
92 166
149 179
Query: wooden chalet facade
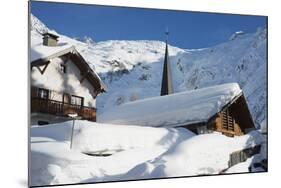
234 119
62 83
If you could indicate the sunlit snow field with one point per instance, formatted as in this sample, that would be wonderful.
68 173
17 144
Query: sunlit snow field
104 152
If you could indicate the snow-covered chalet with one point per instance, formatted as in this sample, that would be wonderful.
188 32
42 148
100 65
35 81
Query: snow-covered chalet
62 83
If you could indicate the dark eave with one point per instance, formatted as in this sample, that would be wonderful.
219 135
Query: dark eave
240 95
90 74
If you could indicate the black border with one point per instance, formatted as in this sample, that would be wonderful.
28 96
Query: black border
119 6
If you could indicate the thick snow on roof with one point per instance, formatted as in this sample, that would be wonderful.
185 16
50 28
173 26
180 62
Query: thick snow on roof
173 110
39 51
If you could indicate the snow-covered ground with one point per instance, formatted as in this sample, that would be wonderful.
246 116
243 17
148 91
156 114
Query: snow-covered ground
136 152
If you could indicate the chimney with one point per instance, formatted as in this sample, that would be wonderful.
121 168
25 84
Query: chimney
50 39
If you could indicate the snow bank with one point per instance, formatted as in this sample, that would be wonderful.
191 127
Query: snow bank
173 110
199 155
59 131
137 152
53 162
105 138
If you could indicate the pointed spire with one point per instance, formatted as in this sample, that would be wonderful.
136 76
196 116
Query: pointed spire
167 81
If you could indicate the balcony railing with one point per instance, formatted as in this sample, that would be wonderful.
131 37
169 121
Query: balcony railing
39 105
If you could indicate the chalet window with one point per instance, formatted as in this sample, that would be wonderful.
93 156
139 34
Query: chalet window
63 67
43 93
76 100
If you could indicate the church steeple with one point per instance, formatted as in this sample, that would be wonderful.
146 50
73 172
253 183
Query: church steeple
167 81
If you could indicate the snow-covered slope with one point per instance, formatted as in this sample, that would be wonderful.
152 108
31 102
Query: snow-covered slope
132 70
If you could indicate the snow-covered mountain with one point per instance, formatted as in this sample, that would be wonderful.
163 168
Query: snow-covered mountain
132 70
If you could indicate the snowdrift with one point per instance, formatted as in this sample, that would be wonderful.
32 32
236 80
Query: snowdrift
105 138
136 152
200 155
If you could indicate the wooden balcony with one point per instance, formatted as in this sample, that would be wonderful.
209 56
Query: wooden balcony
39 105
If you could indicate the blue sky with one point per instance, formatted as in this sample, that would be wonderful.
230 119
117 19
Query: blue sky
187 29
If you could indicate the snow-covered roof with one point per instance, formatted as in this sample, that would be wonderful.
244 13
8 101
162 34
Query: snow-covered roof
39 51
173 110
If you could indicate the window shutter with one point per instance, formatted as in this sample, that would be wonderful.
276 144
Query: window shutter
227 120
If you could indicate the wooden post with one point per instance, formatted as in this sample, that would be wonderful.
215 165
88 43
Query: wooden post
72 131
73 116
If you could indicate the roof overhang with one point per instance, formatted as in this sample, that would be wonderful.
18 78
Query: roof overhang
80 62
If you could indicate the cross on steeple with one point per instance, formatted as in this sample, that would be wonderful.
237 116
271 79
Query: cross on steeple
167 34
